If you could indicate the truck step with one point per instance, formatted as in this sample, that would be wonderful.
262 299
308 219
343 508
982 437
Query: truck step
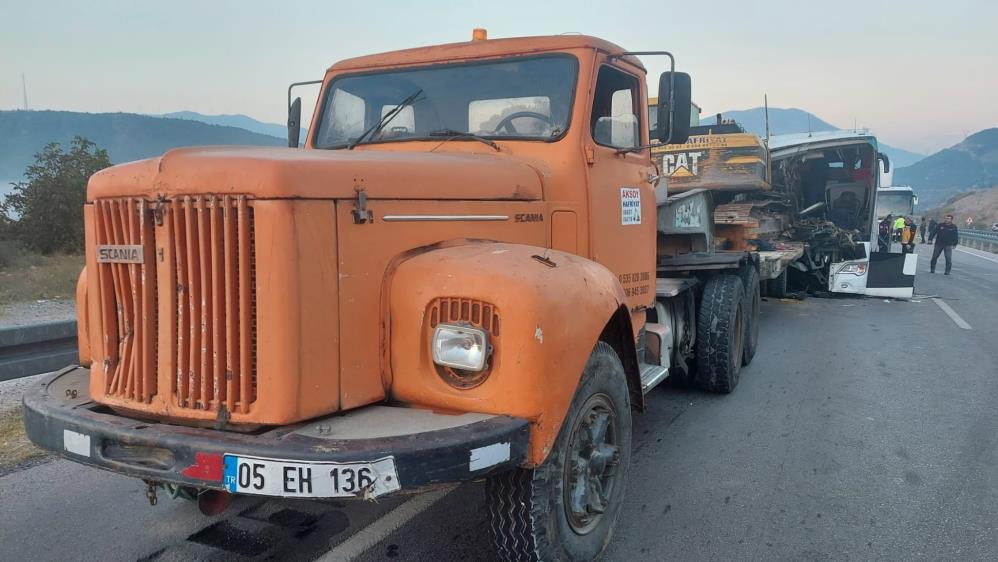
652 376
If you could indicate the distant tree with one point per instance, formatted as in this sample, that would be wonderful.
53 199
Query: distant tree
45 212
5 223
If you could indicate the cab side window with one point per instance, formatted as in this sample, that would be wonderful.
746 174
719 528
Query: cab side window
614 121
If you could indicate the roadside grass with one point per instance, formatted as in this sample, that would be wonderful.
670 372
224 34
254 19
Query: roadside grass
15 447
27 277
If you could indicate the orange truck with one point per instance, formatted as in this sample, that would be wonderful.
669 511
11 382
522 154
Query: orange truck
471 270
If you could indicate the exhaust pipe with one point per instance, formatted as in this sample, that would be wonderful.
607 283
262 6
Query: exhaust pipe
213 502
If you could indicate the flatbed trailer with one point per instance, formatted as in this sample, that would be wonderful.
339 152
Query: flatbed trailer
708 300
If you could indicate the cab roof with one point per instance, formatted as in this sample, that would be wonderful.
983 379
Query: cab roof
486 48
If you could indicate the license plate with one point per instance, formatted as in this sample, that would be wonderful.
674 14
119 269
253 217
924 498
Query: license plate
306 479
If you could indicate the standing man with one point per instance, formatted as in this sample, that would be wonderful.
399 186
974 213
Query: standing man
923 227
947 237
932 229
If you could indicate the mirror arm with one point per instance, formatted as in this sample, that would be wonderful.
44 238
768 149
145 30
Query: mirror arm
672 80
290 104
293 84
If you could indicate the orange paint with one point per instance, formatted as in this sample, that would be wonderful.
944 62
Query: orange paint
267 295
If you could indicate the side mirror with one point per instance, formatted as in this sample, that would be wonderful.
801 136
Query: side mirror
886 161
294 123
914 199
674 118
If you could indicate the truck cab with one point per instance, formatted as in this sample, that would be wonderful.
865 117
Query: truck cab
451 280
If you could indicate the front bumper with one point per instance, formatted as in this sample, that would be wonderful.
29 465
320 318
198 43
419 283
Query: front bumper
428 448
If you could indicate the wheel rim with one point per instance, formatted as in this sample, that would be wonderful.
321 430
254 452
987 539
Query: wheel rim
591 466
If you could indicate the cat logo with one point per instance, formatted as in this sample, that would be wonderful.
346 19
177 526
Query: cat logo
682 164
110 253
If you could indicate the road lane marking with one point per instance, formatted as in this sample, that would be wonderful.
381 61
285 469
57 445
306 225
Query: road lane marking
388 523
952 314
958 249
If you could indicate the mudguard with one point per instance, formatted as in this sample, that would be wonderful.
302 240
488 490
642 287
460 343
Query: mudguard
552 307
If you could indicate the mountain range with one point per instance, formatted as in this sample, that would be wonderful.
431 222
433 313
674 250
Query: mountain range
235 120
126 136
792 120
968 165
971 164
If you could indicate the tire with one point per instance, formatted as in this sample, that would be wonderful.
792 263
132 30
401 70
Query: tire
753 301
530 511
720 334
777 287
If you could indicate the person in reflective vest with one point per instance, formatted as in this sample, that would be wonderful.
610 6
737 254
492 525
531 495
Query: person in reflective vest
898 227
908 236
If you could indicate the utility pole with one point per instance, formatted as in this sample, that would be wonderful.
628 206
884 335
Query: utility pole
765 103
24 88
769 162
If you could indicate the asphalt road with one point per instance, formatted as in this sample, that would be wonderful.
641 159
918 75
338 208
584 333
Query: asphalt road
864 429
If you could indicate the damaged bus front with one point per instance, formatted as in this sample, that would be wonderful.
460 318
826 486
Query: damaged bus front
832 179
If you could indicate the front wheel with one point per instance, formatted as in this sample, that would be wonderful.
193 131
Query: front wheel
565 510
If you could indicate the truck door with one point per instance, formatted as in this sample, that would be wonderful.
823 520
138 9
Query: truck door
621 199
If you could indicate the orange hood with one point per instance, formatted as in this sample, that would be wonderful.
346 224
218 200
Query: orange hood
283 173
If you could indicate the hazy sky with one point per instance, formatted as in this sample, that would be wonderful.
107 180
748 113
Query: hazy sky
922 74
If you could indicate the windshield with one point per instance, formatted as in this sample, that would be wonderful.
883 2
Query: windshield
894 204
524 98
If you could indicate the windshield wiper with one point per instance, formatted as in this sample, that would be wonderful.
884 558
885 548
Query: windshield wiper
386 119
454 134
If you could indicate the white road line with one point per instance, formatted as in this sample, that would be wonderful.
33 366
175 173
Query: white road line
952 314
374 533
958 249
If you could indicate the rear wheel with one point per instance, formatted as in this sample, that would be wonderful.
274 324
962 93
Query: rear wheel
720 333
753 303
777 287
565 510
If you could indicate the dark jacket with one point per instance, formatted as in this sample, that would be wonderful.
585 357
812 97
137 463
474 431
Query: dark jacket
947 235
885 229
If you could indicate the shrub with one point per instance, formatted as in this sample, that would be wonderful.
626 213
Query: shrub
45 212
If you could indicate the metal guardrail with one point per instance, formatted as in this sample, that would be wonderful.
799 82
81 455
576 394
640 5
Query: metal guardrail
980 239
980 234
32 350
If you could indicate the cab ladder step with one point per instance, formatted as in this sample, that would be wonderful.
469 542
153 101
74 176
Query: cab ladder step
652 376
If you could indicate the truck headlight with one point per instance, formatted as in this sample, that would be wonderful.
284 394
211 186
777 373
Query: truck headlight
854 268
460 347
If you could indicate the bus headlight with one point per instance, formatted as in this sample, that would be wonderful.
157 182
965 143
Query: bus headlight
854 268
